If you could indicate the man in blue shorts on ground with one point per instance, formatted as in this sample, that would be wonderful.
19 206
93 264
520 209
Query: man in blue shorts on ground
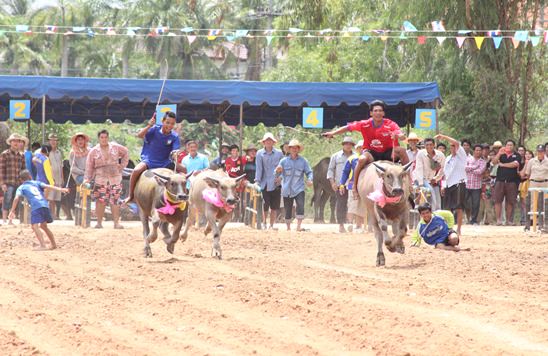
33 191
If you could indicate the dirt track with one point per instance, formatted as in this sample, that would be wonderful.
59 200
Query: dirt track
274 293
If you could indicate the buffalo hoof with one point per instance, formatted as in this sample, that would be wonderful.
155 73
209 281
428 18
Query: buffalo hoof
170 247
400 249
390 248
148 252
216 251
380 259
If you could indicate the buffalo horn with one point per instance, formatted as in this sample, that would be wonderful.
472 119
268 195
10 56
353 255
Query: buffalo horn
379 167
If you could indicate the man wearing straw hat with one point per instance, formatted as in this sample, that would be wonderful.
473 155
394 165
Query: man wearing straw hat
266 162
334 174
293 169
12 162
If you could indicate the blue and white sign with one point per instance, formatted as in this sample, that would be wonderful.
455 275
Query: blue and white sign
313 118
425 119
20 109
162 109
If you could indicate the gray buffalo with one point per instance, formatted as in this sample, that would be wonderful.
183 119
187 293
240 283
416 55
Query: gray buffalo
212 194
162 195
384 190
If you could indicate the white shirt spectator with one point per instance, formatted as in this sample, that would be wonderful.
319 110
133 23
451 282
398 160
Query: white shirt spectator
455 168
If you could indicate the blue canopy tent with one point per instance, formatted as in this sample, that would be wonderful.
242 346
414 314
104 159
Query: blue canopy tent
80 100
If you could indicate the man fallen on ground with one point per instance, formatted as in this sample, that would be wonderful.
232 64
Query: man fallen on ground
33 191
436 229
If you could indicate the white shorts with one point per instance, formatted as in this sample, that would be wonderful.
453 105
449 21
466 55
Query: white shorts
353 204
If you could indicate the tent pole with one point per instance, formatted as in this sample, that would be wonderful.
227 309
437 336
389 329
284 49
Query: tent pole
241 127
437 105
220 134
43 119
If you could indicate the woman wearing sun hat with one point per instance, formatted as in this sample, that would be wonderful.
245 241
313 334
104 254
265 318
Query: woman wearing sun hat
292 169
78 155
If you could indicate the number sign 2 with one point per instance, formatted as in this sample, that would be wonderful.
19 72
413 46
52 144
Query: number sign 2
20 109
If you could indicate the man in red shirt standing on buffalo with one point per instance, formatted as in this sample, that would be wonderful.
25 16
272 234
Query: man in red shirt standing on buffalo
380 139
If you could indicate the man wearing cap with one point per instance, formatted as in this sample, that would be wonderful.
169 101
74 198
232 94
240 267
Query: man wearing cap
380 139
267 160
12 162
537 173
56 161
250 166
219 162
334 174
293 169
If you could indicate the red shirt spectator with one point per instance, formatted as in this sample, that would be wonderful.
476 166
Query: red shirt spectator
376 138
182 154
235 167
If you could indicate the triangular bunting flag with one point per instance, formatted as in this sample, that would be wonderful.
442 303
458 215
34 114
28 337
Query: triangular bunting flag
497 41
440 39
68 33
191 38
22 28
521 36
535 40
51 29
90 33
324 31
171 34
408 26
187 29
241 33
230 38
78 29
327 38
402 36
545 36
130 32
295 30
464 32
384 38
269 40
421 40
460 41
353 29
437 26
479 41
211 38
365 38
515 42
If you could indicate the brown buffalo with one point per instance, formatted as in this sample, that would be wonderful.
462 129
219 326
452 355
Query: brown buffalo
391 184
162 195
219 183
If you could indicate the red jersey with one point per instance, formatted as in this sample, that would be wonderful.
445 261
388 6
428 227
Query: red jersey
375 138
235 168
181 155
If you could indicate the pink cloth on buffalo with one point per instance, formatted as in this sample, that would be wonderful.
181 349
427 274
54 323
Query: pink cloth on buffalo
212 196
379 197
